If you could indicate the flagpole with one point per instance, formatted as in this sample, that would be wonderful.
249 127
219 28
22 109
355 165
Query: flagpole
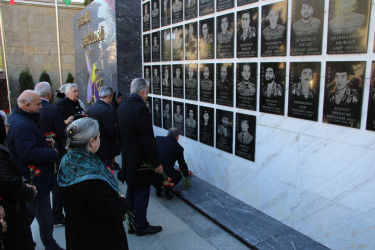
58 39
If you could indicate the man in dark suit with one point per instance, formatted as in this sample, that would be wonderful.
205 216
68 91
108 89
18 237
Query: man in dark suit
51 120
101 111
170 151
139 153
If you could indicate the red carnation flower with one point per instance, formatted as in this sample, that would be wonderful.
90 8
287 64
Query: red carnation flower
46 134
37 172
171 185
31 167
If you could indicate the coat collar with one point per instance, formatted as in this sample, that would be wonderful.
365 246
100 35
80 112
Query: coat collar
136 97
33 116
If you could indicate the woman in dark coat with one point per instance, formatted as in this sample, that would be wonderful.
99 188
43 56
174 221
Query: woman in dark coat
70 105
94 209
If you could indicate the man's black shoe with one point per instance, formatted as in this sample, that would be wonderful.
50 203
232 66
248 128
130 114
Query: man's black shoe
131 230
149 230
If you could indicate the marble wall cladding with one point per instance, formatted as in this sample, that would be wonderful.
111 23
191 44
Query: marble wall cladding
316 178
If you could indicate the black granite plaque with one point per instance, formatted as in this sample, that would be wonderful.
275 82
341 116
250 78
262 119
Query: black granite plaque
191 121
167 114
245 136
191 82
371 102
148 104
165 12
224 88
225 33
246 87
343 93
166 45
206 126
307 27
157 111
178 43
224 130
224 4
348 26
206 7
147 75
156 47
178 116
146 48
178 81
191 9
206 83
166 80
272 93
177 11
206 39
156 79
304 86
274 23
247 33
191 41
146 16
244 2
155 14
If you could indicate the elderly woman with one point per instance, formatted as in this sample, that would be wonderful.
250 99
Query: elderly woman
90 193
70 105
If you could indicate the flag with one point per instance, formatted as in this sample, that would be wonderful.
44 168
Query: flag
11 2
67 2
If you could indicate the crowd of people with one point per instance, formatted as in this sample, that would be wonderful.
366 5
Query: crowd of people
67 150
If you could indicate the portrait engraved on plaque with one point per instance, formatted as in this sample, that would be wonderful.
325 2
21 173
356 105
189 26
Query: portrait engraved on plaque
224 88
307 27
370 125
274 23
178 43
304 86
244 2
155 14
247 38
206 83
272 92
178 81
157 112
146 48
348 26
206 39
224 130
166 45
167 114
147 76
343 93
224 39
156 80
246 88
191 121
191 9
224 4
146 16
178 116
191 83
245 136
165 12
156 47
177 11
206 7
148 104
166 80
191 41
206 126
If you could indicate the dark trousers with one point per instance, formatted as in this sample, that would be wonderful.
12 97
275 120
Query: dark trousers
57 204
138 199
41 207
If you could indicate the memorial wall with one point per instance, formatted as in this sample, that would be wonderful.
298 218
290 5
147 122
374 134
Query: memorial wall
275 100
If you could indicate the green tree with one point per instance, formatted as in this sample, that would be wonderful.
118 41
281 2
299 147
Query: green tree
70 78
44 77
25 80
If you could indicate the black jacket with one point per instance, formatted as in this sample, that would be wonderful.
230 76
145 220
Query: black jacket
138 141
70 108
101 112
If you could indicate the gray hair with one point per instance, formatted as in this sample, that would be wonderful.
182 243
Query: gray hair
80 132
69 86
138 85
105 91
4 117
174 131
43 88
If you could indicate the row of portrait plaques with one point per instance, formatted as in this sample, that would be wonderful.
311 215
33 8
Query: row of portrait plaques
343 93
200 125
347 31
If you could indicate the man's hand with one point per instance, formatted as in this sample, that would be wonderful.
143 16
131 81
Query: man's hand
159 169
4 224
33 187
2 212
69 120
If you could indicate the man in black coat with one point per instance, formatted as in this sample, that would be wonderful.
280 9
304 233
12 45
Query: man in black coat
101 111
170 151
51 120
27 146
139 153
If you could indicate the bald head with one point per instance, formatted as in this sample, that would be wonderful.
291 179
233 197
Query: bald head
29 101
